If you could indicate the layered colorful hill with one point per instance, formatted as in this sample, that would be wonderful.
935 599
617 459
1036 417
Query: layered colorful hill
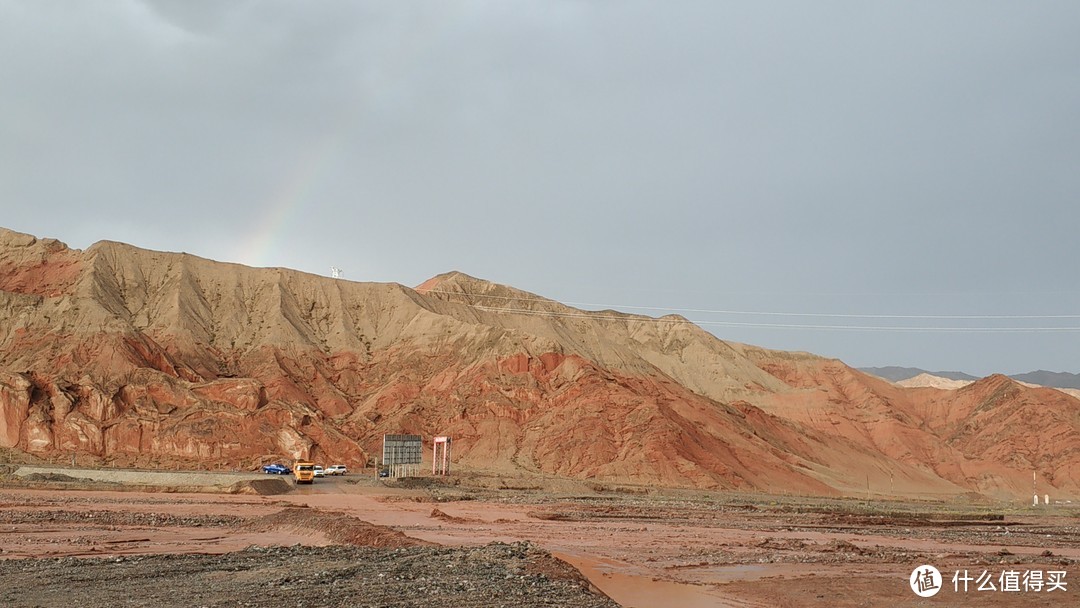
160 359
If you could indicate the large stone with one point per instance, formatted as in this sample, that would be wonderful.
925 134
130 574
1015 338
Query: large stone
14 407
241 393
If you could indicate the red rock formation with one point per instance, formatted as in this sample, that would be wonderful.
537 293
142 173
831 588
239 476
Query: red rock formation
988 436
151 358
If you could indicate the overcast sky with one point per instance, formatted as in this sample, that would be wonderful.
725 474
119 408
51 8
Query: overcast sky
842 158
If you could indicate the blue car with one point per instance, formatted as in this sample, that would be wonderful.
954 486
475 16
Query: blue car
276 469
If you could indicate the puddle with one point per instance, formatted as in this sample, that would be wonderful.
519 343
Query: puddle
712 575
633 588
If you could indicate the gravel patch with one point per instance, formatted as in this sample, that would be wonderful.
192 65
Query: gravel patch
517 575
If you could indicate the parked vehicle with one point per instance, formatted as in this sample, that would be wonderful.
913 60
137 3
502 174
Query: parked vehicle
304 472
319 472
276 469
337 469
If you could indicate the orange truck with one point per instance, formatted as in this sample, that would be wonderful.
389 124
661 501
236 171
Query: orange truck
304 472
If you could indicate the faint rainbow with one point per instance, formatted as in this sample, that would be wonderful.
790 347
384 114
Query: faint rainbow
294 192
291 196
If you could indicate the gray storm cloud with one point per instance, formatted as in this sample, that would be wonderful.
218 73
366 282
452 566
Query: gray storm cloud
842 158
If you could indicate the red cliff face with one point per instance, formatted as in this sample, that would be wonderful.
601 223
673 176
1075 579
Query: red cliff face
989 436
139 357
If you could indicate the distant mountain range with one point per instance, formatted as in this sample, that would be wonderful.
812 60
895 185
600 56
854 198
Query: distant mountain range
1052 379
894 373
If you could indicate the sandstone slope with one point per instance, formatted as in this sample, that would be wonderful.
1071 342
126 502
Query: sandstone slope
988 436
141 357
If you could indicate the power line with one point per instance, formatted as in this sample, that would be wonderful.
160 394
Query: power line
884 328
770 313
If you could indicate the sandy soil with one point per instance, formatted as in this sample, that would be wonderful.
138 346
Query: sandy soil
646 548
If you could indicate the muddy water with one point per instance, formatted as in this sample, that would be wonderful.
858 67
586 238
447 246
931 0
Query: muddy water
630 585
632 588
638 564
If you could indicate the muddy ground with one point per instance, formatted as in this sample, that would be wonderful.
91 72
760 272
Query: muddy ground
490 541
